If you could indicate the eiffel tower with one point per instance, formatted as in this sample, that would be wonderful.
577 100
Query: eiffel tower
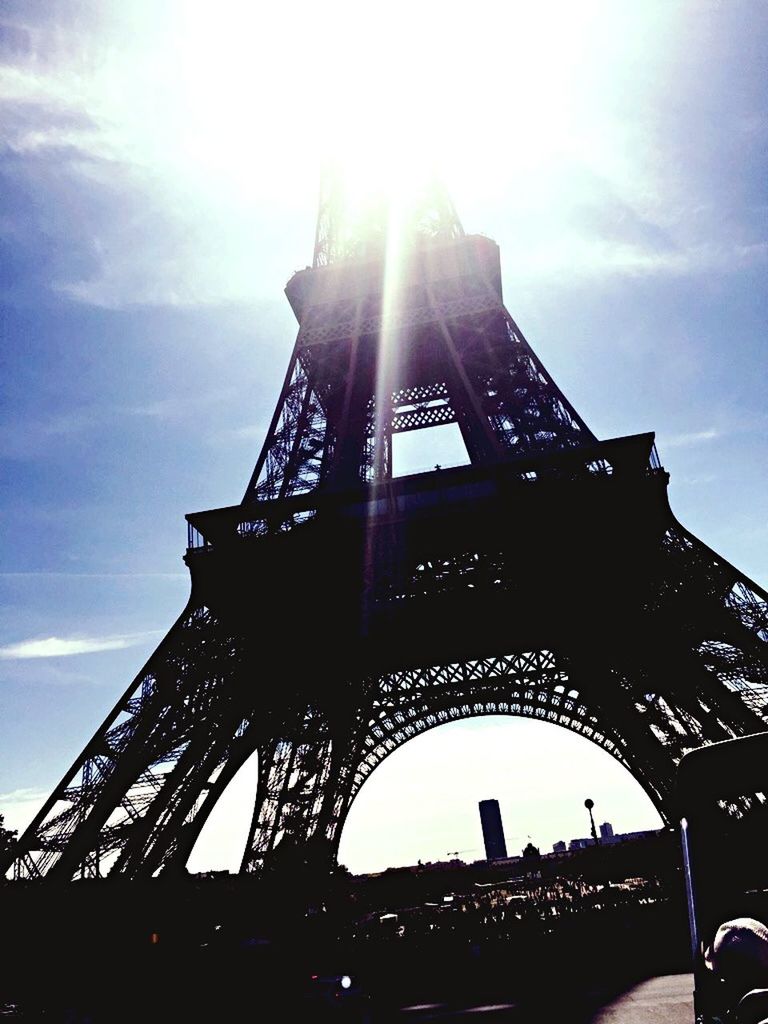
339 610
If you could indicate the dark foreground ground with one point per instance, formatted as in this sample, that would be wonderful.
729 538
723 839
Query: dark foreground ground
664 1000
114 954
606 974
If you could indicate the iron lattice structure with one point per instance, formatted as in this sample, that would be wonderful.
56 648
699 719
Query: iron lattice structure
338 611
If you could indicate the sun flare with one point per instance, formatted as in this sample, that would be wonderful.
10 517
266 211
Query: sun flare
253 96
226 118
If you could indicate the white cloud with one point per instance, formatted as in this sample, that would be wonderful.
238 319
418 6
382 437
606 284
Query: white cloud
250 432
183 212
694 437
695 481
96 575
179 405
160 409
59 647
21 796
26 438
19 806
586 254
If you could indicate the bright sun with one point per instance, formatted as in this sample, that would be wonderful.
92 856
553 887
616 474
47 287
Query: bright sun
252 95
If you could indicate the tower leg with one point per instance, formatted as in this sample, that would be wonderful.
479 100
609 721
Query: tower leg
294 769
163 742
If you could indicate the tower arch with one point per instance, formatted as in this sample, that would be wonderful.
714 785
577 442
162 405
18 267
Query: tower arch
525 685
421 802
337 611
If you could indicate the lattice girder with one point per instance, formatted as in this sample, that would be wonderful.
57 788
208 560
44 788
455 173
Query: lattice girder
674 659
459 351
133 769
338 612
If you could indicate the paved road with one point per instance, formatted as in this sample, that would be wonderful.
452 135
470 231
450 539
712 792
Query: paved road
490 1012
663 1000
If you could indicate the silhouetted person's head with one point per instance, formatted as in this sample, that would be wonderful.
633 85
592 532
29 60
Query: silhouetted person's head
739 955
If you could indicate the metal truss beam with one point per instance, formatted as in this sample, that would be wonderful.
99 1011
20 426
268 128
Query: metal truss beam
337 613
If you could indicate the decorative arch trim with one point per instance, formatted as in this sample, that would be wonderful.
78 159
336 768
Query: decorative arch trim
527 685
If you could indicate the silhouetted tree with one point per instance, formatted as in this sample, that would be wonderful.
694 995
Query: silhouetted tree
7 838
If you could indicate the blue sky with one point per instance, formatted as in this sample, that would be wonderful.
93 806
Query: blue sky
159 168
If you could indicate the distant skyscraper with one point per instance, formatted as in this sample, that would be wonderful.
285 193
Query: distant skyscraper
606 831
493 830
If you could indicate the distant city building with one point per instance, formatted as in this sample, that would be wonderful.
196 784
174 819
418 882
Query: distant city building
559 847
608 838
493 830
580 844
623 837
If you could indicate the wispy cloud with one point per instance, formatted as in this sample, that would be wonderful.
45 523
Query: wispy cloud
19 806
27 438
161 409
60 647
178 406
585 255
35 436
43 673
252 432
696 481
695 437
21 796
128 213
45 573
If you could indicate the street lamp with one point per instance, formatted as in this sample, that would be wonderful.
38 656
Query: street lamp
589 804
